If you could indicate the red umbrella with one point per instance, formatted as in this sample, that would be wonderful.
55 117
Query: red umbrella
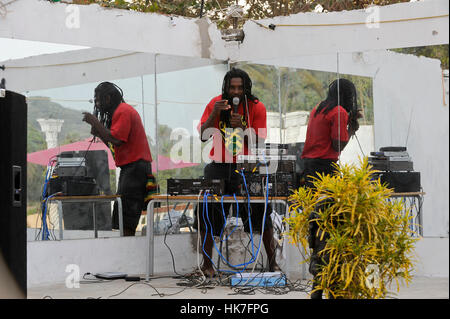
166 163
44 157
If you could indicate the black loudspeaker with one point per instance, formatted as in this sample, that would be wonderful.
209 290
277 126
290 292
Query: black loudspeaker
79 216
13 191
401 182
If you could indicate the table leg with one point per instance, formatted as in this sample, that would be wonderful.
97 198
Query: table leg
419 213
150 239
60 215
95 220
119 207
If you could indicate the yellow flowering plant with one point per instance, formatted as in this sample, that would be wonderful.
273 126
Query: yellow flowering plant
369 242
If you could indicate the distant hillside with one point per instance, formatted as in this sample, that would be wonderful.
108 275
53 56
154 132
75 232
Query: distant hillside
42 107
35 139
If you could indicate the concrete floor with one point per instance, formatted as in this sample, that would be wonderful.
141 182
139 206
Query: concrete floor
173 288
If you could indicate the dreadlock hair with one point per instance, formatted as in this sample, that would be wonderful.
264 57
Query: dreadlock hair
247 83
347 97
115 93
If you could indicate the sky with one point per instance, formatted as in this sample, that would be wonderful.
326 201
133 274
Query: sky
16 49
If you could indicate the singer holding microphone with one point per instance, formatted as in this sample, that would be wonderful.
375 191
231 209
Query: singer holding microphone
235 120
119 126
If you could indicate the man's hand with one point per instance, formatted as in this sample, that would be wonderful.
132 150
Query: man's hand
94 131
98 130
359 114
353 124
89 118
235 120
221 105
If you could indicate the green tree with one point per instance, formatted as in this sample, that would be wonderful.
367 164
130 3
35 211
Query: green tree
432 51
35 139
301 90
71 137
35 172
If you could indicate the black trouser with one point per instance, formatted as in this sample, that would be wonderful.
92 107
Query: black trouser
132 190
215 218
312 167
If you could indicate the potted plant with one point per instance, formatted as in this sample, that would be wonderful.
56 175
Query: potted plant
368 239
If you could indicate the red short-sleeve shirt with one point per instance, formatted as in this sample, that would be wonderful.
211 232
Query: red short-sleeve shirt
126 125
256 119
322 129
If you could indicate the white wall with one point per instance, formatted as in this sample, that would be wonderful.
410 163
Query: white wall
47 260
408 95
431 257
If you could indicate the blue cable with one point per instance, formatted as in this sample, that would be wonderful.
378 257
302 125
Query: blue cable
205 203
44 225
45 232
266 205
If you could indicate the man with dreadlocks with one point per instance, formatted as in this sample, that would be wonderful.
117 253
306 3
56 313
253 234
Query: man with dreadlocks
120 127
330 126
225 125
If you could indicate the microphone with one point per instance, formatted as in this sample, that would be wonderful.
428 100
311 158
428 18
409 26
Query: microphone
235 104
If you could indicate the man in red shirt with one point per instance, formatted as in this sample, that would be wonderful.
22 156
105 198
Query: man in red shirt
331 124
233 127
120 127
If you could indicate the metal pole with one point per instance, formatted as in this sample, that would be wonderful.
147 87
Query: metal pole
201 8
419 212
156 119
143 104
339 113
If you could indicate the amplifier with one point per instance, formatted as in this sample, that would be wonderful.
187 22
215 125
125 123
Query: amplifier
178 186
274 163
391 158
279 184
73 186
401 182
68 165
387 165
393 149
71 171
